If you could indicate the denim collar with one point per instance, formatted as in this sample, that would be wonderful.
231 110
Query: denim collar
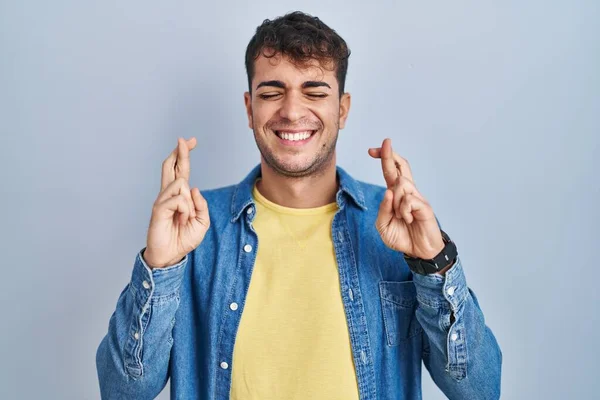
348 188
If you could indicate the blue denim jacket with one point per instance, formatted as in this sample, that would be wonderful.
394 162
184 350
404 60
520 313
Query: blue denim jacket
180 322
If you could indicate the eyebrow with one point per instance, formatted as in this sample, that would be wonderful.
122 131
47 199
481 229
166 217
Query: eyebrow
314 84
277 84
305 85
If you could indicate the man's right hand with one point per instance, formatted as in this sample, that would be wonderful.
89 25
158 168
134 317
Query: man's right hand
179 216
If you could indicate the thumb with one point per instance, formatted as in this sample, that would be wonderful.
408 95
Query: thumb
386 211
201 206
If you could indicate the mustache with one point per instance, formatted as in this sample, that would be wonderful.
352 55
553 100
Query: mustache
301 125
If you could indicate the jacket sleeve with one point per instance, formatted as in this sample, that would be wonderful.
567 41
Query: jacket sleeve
132 360
460 351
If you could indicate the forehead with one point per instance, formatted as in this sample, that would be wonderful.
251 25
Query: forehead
281 68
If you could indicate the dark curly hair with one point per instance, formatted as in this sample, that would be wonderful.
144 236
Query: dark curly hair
302 38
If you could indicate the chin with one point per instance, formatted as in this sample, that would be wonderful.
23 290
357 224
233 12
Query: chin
299 169
295 170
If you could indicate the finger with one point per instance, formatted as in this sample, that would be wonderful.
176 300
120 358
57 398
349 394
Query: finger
182 164
401 163
386 211
168 170
168 166
388 165
173 189
190 202
175 204
404 187
177 187
201 207
410 206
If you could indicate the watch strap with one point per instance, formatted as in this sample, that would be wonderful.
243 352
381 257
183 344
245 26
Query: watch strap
437 263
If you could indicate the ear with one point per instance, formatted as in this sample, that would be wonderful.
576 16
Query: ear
345 101
248 102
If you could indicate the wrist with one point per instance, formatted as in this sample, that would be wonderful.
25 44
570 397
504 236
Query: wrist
438 263
152 263
435 250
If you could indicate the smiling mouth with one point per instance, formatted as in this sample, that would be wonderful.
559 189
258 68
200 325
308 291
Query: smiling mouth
297 136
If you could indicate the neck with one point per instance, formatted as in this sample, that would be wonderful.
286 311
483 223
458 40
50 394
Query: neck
305 192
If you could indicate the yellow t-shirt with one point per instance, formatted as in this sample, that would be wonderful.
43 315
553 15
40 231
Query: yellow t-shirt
293 341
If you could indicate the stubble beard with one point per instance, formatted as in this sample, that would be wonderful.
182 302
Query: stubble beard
317 166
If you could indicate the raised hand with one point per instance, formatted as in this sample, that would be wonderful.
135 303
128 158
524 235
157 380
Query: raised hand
405 221
180 217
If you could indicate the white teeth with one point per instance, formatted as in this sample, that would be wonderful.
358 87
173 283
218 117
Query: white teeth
294 136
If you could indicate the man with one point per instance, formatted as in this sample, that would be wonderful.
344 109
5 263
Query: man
304 283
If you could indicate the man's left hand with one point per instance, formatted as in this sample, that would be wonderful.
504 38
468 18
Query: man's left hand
406 221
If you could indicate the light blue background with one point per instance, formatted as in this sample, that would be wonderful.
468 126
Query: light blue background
495 104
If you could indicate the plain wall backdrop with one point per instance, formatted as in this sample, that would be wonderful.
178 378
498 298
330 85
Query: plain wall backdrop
494 104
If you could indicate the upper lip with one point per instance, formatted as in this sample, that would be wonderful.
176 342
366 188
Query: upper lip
294 130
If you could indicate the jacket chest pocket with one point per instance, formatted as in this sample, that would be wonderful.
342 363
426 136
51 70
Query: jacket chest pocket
399 303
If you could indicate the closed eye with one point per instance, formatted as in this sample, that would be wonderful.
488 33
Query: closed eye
269 96
318 95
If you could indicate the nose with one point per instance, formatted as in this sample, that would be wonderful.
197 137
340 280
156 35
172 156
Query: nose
292 107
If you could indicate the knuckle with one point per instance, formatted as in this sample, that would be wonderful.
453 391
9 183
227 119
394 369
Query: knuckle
404 181
180 184
159 207
405 184
401 160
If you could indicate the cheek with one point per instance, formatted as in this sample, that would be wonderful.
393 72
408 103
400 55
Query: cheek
328 117
262 114
333 112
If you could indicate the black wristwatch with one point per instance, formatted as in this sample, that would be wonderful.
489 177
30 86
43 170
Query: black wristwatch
437 263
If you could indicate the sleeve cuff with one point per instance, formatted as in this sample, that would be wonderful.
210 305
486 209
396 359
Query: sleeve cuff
156 282
436 290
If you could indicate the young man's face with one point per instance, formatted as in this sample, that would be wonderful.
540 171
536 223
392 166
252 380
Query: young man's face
295 114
